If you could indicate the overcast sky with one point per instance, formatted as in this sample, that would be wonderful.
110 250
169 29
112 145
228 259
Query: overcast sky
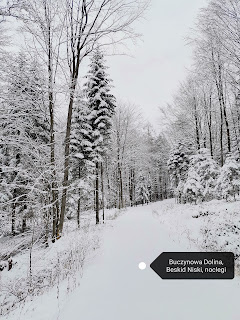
151 77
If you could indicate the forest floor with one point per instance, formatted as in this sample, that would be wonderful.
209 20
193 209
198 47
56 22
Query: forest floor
111 286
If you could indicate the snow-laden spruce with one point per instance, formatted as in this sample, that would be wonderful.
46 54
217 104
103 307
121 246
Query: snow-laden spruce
101 104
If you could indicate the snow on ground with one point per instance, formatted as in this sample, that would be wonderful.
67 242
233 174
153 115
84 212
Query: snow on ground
56 269
113 287
212 226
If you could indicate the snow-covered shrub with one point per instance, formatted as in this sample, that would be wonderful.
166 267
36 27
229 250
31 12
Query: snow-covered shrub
193 189
208 171
228 183
201 214
221 232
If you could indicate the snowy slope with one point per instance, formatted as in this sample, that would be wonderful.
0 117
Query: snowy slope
113 287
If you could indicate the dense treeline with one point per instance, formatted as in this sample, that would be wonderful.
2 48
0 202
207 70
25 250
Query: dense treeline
206 113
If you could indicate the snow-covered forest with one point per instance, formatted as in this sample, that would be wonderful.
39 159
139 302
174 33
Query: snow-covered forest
205 111
74 157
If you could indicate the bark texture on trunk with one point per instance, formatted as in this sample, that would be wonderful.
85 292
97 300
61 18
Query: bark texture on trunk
102 187
97 193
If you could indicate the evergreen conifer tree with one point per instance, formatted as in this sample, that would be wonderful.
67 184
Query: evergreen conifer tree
178 165
102 105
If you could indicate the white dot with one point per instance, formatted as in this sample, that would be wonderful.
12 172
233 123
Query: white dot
142 265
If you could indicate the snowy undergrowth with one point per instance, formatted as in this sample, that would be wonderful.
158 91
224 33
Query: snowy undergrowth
55 270
209 226
62 260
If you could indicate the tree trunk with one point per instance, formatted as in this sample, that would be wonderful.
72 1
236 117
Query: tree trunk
160 186
196 124
109 190
24 224
97 193
13 218
221 136
224 110
24 220
66 159
208 115
219 85
46 228
227 126
55 207
103 202
120 187
235 130
78 211
79 199
130 187
210 125
221 122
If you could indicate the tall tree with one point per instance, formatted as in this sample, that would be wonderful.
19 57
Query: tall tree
102 105
42 23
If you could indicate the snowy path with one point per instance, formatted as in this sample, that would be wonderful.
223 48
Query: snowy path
113 288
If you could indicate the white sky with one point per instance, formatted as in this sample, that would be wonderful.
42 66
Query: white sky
160 62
